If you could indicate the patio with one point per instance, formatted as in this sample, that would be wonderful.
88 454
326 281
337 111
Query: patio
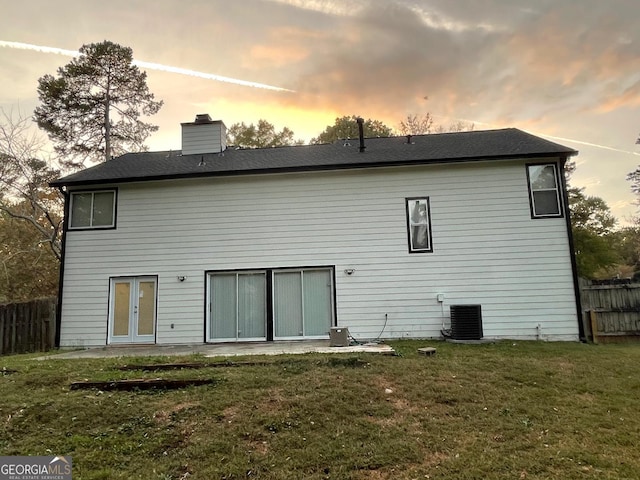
223 349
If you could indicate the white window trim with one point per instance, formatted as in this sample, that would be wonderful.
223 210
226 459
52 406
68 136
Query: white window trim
90 226
532 201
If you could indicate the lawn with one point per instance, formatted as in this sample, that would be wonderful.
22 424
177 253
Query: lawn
510 410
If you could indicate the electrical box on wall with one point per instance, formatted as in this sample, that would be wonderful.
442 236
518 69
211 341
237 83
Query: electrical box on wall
440 297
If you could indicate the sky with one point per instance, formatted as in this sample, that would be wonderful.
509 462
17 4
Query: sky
567 70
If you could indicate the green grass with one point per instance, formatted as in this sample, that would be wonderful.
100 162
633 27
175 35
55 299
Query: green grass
512 410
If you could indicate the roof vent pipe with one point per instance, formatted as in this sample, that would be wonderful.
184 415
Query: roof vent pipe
360 122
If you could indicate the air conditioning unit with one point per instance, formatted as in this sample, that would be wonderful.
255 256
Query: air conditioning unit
466 322
339 337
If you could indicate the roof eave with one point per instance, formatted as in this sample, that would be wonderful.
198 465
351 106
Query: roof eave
305 168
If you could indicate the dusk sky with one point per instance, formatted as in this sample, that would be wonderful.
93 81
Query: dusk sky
567 70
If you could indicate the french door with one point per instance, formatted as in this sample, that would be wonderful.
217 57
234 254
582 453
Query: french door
269 304
132 310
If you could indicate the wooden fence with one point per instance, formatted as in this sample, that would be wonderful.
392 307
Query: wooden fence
28 327
611 311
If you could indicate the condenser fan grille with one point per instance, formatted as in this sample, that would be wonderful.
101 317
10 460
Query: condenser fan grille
466 322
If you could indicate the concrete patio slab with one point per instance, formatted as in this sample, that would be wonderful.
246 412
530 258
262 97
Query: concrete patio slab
222 350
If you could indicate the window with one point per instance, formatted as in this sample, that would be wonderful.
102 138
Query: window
544 191
419 225
93 209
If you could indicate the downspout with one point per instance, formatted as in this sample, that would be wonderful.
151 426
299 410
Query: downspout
360 122
572 251
65 224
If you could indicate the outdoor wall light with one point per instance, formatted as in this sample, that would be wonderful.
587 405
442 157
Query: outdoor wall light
181 278
349 271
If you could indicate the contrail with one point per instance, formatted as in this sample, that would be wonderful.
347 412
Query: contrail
604 147
149 65
208 76
563 139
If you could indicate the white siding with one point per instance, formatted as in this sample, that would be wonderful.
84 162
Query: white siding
203 138
487 250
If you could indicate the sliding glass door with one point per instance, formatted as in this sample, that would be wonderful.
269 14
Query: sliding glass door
302 305
237 306
278 304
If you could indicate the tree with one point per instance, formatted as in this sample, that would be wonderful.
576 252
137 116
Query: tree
634 178
416 124
628 238
24 177
569 169
457 126
627 244
263 135
592 226
347 127
424 124
590 213
30 213
92 109
28 267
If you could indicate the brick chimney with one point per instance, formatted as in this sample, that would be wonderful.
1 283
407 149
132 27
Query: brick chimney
203 135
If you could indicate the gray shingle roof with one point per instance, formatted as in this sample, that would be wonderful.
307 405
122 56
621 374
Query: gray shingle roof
436 148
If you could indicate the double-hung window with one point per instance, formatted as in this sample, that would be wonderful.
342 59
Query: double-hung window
93 209
544 190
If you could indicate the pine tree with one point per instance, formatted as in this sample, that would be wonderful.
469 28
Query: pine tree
92 109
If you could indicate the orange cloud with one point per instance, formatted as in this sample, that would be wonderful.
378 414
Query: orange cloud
275 56
627 99
284 46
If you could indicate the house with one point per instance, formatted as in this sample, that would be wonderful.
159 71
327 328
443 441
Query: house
384 236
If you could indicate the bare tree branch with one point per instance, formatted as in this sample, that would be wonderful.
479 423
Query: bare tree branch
25 172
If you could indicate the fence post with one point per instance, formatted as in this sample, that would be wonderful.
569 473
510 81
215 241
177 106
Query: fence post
594 325
3 322
51 324
14 328
44 329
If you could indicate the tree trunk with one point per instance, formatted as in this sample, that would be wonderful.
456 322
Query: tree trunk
107 127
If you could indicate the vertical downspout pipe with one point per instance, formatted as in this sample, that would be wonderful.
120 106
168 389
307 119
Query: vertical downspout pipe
572 250
360 122
65 224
